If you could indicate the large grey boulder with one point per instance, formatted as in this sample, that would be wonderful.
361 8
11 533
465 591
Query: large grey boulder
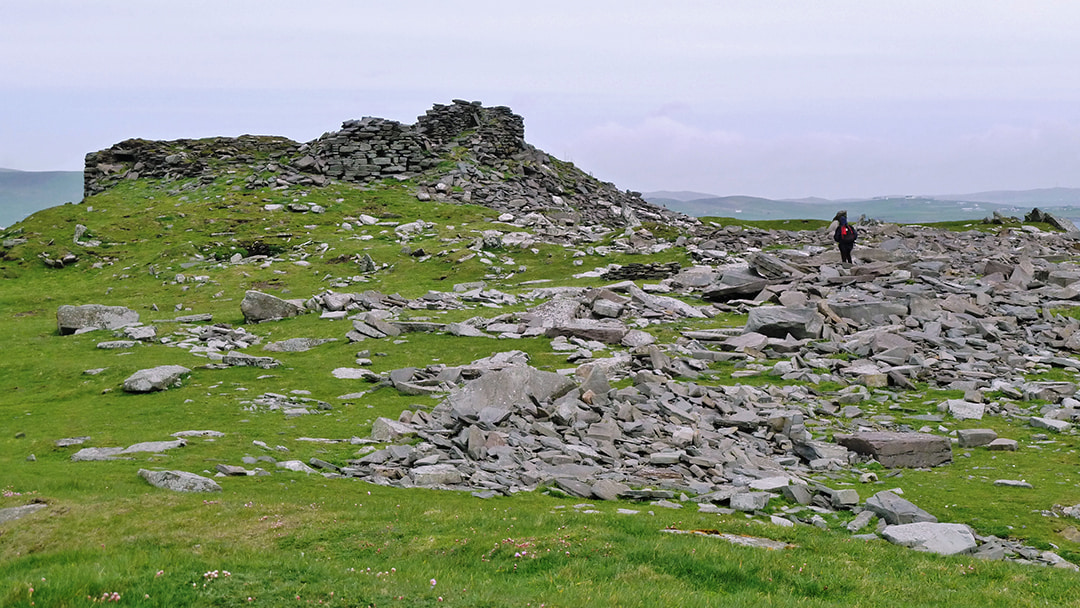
179 481
896 510
944 539
258 307
155 379
893 450
781 321
74 319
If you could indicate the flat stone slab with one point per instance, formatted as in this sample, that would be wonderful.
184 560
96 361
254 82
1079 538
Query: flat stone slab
154 446
736 539
943 539
896 450
179 481
91 454
13 513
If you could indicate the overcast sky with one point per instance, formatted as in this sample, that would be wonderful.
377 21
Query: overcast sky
829 98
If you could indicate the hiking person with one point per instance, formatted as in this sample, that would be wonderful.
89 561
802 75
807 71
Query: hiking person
844 236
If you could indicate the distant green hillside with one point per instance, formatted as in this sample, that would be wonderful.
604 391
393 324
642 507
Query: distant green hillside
24 192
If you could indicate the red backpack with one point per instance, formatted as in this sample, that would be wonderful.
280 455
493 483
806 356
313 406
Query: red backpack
847 234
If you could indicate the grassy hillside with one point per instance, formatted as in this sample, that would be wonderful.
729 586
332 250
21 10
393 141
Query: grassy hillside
288 539
24 192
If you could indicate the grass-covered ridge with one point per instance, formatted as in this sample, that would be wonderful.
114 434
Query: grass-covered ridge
290 539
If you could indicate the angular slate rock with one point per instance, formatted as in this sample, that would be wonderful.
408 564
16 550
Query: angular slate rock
155 379
179 481
508 389
895 450
896 510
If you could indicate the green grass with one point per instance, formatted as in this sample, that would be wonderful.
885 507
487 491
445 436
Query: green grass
344 542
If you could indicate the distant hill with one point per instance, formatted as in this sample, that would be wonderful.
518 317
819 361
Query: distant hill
1046 197
25 192
903 209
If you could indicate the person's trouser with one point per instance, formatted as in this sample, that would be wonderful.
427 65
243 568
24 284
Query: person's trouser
845 252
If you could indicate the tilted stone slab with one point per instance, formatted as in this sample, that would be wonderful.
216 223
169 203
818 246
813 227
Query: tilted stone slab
896 510
944 539
155 379
258 307
179 481
71 319
895 450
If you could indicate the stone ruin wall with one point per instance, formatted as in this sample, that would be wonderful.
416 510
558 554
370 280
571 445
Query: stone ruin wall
495 166
362 151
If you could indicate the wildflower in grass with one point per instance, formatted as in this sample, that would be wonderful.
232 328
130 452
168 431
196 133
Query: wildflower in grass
432 582
159 574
